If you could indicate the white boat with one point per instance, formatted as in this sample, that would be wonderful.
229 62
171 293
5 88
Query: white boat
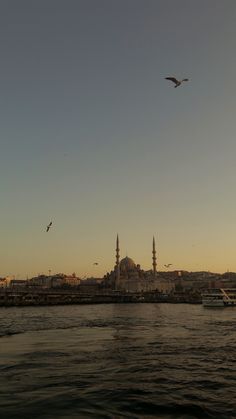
220 297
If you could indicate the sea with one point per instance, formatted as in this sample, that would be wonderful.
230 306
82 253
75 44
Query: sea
118 361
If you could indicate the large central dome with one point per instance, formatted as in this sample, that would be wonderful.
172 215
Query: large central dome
127 264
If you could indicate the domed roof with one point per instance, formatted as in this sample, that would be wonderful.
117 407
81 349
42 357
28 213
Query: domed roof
127 264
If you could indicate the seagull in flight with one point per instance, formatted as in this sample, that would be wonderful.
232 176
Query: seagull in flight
168 265
48 227
95 263
175 81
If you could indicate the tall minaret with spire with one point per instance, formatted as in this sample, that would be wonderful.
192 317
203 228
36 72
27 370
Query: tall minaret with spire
117 280
154 259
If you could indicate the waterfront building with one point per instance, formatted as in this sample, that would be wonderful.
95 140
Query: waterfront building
6 281
128 276
3 283
54 281
71 280
18 283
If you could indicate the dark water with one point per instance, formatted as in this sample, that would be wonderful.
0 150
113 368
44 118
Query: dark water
118 361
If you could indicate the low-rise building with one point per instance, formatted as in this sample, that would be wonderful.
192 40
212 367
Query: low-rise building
3 283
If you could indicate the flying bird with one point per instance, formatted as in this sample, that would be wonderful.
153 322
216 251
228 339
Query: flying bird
95 263
175 81
168 265
48 227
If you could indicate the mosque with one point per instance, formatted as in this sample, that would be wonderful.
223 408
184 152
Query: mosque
129 277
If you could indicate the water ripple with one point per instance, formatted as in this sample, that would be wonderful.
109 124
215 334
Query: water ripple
117 361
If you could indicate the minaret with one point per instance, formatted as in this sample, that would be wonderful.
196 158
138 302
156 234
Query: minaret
117 280
154 259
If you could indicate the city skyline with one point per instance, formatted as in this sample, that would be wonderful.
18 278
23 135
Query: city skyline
96 269
94 139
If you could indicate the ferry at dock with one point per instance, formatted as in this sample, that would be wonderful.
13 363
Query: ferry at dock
221 297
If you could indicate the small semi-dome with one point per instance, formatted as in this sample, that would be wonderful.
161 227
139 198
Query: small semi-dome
127 264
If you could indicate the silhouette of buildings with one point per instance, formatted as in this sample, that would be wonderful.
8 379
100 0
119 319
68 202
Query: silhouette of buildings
129 277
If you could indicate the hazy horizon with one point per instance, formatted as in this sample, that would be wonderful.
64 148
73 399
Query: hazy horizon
94 139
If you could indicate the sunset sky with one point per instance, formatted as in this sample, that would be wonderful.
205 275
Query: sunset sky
94 139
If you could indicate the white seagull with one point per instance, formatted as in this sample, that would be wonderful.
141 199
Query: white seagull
175 81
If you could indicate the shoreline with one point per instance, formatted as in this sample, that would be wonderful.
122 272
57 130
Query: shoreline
23 298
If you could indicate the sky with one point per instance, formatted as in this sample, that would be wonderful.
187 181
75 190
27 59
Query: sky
94 139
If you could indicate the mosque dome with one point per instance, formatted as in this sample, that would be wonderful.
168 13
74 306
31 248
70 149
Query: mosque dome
127 264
